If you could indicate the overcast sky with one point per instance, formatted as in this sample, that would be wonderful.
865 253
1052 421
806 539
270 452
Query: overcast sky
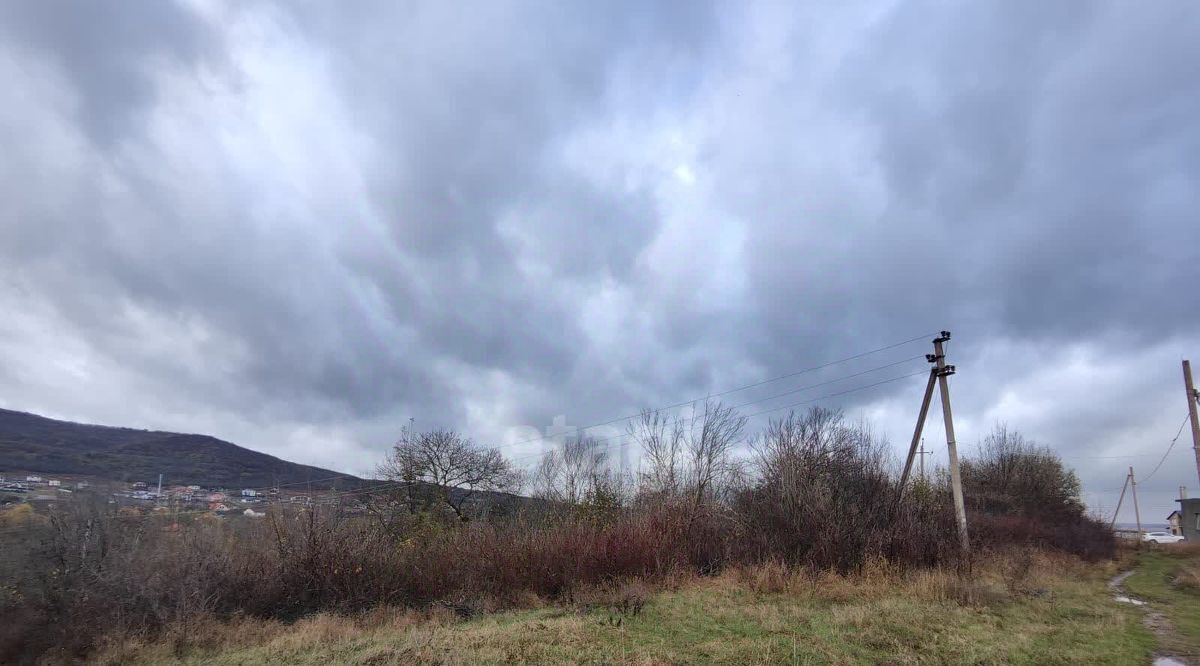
295 226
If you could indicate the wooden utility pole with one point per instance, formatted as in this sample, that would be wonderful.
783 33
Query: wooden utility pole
912 448
1192 397
1136 513
1119 501
944 371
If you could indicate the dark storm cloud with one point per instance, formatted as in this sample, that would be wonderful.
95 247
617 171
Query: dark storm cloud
109 50
298 225
464 120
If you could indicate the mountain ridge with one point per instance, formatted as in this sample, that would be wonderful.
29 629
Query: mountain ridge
33 443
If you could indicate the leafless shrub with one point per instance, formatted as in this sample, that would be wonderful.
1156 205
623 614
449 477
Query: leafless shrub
660 438
578 475
823 497
689 461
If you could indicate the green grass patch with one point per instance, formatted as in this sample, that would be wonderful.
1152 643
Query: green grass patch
1166 579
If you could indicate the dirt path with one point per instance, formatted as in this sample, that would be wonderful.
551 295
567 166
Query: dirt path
1154 620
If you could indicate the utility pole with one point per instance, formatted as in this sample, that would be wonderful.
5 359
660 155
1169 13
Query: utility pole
1136 513
160 486
943 371
1119 501
922 452
1192 397
912 448
1182 492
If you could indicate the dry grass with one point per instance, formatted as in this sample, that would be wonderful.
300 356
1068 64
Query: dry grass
19 515
994 577
210 635
1012 608
1188 577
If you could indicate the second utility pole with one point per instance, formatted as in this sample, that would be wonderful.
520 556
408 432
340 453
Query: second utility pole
1137 515
1192 398
944 371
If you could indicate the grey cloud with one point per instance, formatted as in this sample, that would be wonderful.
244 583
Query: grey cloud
267 220
109 52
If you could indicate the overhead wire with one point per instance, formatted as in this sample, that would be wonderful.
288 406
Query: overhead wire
738 389
683 403
1164 458
696 417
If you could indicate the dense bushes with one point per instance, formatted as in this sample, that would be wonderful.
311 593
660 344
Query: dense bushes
1019 492
89 573
824 498
818 493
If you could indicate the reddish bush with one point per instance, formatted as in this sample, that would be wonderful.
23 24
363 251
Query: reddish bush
1082 536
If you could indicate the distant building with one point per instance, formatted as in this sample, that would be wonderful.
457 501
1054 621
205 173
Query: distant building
54 482
193 488
140 485
81 485
33 479
1189 518
1175 523
249 492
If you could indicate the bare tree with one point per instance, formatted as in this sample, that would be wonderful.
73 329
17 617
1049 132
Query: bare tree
710 450
450 467
578 473
661 440
689 458
566 474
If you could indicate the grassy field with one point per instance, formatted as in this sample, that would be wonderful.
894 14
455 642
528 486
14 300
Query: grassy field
1169 580
1014 610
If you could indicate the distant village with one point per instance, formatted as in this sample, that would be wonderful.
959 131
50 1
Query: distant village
143 496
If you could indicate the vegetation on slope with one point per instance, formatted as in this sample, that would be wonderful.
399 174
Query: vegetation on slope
37 444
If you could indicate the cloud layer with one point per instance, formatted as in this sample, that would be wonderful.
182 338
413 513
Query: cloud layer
296 227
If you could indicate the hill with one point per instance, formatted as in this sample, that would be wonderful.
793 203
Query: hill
29 442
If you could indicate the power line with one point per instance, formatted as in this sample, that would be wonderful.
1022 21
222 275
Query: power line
832 381
693 420
739 388
709 396
1164 458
